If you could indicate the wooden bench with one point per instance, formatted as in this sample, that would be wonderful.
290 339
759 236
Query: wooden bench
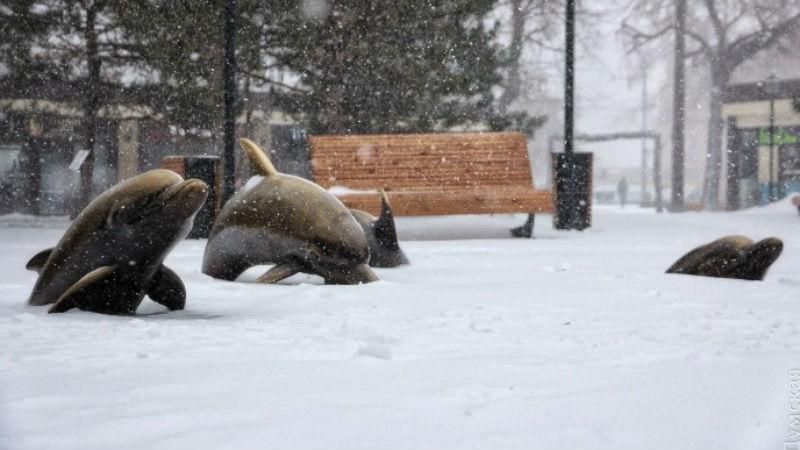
431 174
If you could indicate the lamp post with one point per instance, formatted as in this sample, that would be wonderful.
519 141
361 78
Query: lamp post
771 87
229 88
643 202
569 80
572 172
566 175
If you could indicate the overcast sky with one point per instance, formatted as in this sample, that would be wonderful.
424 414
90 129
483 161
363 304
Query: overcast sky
609 89
609 92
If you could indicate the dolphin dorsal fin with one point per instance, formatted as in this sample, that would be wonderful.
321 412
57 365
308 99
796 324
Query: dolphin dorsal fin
384 199
385 230
259 162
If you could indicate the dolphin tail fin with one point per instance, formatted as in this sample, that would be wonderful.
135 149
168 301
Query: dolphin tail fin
277 273
98 292
259 162
38 261
167 289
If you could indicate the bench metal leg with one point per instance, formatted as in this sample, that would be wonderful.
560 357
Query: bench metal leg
525 230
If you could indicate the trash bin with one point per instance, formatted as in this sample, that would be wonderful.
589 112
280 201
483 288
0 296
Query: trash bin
206 168
572 188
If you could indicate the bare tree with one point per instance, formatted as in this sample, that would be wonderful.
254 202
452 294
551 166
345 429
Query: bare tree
678 106
723 34
533 23
536 27
88 12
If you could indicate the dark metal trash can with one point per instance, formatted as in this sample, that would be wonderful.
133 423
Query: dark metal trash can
206 168
572 188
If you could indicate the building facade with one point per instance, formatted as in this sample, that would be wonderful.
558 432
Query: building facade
763 141
39 140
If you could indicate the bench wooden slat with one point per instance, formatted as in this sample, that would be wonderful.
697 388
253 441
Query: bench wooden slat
431 203
431 174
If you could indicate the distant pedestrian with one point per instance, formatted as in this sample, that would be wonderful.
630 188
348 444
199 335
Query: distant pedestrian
622 191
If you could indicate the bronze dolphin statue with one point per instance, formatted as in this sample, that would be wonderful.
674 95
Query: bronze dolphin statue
730 257
381 234
287 221
113 252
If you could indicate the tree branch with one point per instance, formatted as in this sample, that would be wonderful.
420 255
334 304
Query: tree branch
716 22
705 47
640 37
748 45
276 83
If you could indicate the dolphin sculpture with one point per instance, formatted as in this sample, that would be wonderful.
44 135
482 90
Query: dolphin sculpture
113 252
289 222
730 257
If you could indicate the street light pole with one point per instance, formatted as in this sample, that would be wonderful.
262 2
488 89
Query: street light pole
569 81
572 173
771 149
771 88
643 202
229 87
570 203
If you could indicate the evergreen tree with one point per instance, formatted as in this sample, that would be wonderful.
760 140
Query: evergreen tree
58 51
181 45
390 65
22 24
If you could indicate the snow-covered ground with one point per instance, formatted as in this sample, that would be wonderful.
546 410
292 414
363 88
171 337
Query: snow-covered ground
570 340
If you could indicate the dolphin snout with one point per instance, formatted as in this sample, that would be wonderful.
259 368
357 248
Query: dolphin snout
187 195
194 187
194 191
769 246
774 243
766 251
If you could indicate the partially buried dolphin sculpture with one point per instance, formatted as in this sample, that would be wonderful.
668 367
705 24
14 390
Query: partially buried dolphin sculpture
384 250
112 254
730 257
290 222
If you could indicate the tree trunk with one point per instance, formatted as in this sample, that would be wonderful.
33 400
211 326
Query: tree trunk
678 108
719 81
734 154
336 114
335 120
91 106
514 80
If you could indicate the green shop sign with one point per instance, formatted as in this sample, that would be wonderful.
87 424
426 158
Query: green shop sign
782 136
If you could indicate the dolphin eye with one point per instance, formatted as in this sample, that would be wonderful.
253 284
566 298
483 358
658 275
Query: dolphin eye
114 215
132 212
135 211
122 214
